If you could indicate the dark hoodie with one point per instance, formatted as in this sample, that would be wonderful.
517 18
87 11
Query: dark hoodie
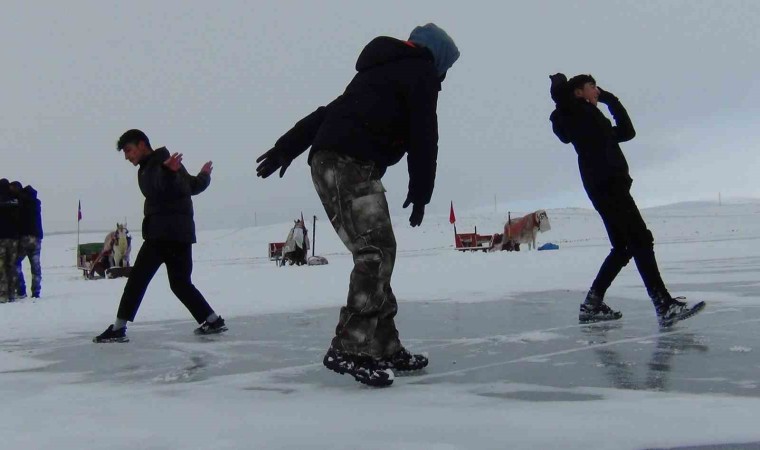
596 141
31 213
168 206
9 213
388 109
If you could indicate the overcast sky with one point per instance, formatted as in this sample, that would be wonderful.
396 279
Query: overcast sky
223 80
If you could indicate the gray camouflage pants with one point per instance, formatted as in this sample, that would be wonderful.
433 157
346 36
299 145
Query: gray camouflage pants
29 247
8 278
354 199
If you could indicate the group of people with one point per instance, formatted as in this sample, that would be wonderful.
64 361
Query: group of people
20 238
388 110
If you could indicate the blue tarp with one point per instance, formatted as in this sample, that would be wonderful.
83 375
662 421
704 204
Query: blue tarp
549 246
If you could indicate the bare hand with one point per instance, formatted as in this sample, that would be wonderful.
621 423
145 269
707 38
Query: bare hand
174 162
207 168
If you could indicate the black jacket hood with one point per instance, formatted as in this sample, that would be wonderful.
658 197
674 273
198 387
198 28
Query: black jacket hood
384 50
30 191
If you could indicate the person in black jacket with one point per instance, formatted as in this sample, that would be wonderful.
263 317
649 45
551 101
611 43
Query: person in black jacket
30 241
605 174
168 232
9 232
387 110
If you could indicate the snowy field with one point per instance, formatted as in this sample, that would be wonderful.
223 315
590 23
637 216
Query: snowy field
510 366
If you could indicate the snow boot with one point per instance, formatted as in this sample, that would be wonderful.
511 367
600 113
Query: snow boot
593 309
111 335
672 310
364 369
215 327
403 361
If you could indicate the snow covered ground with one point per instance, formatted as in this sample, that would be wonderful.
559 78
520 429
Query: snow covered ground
510 366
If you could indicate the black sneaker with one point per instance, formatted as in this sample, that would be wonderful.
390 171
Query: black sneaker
111 335
364 369
215 327
35 295
597 313
403 361
677 310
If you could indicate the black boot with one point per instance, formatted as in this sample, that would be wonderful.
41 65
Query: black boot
671 310
215 327
403 361
594 309
111 335
364 369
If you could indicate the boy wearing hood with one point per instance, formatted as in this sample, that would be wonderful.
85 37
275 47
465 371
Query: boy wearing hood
606 178
168 231
30 241
387 110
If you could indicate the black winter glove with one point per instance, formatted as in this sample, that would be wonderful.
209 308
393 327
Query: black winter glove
606 97
271 161
418 212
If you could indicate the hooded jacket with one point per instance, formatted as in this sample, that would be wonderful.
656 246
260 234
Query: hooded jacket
30 219
168 204
387 110
596 140
9 213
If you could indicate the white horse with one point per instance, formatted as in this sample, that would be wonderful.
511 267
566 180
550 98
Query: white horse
119 242
525 229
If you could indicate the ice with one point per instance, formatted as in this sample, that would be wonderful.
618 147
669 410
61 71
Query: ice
510 367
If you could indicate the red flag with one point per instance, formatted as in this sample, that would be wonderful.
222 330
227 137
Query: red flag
79 212
452 217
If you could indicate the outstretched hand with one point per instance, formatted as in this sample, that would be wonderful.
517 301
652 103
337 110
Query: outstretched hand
174 162
270 162
207 168
418 212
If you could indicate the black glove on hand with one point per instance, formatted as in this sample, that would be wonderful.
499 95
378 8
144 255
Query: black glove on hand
606 97
271 161
418 212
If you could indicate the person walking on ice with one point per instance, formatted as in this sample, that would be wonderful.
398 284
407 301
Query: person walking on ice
387 110
604 171
168 231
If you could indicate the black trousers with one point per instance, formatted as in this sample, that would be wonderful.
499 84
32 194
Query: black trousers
178 257
629 236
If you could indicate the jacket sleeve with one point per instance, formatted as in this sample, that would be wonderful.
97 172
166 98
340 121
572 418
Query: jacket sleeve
164 184
559 131
623 129
422 149
197 183
299 138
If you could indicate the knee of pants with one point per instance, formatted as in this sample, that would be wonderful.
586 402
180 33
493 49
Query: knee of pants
180 286
622 255
369 259
643 240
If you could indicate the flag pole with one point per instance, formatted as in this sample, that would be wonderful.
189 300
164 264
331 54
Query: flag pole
79 211
314 236
453 221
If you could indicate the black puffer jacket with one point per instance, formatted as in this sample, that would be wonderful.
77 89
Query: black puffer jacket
31 213
168 206
596 140
388 109
9 214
